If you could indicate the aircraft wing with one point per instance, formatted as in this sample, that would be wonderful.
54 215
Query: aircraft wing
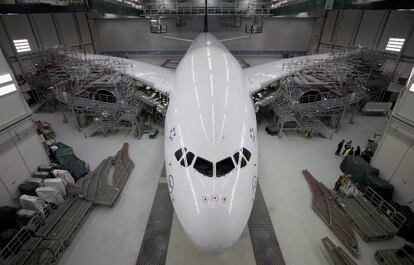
261 76
159 78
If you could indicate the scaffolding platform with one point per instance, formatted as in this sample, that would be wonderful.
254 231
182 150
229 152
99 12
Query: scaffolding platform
390 257
56 234
376 108
336 254
327 209
95 187
375 221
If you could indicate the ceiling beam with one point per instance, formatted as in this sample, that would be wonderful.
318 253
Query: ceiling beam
111 7
296 7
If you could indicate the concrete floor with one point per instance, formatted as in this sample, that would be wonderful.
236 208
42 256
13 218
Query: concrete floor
114 236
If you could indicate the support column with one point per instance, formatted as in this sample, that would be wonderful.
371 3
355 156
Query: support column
11 44
35 32
77 28
56 26
357 27
380 32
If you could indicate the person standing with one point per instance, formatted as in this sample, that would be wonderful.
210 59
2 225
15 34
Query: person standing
347 151
347 146
340 145
357 151
351 152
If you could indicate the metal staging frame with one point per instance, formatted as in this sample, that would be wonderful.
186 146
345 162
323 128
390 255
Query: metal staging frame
316 97
373 218
96 91
337 255
327 209
316 93
390 257
47 235
94 186
47 244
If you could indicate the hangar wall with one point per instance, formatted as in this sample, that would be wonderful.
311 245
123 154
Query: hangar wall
43 30
369 28
395 154
21 150
279 34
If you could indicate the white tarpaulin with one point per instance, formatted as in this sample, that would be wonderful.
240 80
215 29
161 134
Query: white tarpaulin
56 183
31 203
64 175
50 194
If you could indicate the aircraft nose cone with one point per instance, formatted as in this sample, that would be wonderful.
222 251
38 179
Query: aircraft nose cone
215 242
218 231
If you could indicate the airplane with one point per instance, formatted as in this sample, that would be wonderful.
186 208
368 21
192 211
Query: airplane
211 152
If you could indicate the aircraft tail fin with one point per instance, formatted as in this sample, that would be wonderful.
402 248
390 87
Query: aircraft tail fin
205 16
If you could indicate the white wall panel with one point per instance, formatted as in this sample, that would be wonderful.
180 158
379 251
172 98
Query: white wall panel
133 34
31 148
405 107
46 30
329 27
398 26
20 154
66 27
12 106
5 198
388 155
409 50
19 28
13 171
345 27
83 26
5 43
370 25
403 180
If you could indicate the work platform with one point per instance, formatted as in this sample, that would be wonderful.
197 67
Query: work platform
372 217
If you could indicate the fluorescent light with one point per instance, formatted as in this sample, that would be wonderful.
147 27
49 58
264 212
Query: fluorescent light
397 39
393 49
24 50
412 87
20 41
5 78
22 45
395 44
7 89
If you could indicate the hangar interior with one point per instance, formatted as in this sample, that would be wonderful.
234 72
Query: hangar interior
84 168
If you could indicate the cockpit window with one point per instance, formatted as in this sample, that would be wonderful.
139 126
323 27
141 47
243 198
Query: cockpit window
246 154
224 167
178 154
236 158
189 157
203 166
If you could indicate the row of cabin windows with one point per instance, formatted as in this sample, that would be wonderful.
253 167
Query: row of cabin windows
205 167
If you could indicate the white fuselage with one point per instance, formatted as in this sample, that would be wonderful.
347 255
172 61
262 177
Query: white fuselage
211 118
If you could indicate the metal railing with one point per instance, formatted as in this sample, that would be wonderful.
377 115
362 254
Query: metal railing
218 11
383 207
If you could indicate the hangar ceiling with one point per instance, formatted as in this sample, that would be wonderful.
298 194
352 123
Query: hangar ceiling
196 7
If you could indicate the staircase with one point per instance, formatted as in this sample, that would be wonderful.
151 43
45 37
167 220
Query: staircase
297 121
